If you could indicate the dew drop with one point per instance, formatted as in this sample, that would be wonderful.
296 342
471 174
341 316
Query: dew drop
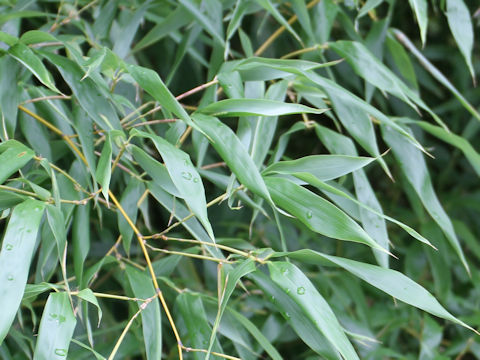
300 290
287 291
186 175
29 230
8 247
185 162
61 352
287 315
52 316
309 214
285 271
195 180
272 298
61 319
10 277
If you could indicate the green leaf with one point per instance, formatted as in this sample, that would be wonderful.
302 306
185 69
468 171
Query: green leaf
460 23
184 176
56 222
372 70
56 328
231 279
104 166
88 295
13 156
81 239
317 213
268 5
390 281
311 305
129 200
23 54
232 151
17 250
415 169
420 9
92 98
436 73
37 36
196 322
151 323
455 140
260 107
155 170
149 81
204 21
323 167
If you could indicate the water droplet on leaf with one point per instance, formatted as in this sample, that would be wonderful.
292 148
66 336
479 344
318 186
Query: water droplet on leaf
309 214
300 290
10 277
61 352
8 247
186 175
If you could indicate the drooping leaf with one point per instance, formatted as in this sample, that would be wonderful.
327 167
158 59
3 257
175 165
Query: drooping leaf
13 156
184 175
460 23
312 305
32 62
151 324
56 328
249 107
229 147
420 9
415 169
17 250
317 213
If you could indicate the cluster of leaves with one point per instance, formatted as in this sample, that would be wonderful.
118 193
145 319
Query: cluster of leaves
258 214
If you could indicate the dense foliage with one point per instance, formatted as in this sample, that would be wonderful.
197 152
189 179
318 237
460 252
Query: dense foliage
239 179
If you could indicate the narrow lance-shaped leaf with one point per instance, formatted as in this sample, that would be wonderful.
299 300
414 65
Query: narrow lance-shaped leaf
88 295
259 107
91 97
317 213
184 175
324 167
203 20
312 305
435 72
268 5
32 62
151 323
376 73
13 156
370 210
129 200
415 169
196 321
17 250
232 151
104 166
56 328
455 140
420 9
155 170
460 23
390 281
151 82
233 277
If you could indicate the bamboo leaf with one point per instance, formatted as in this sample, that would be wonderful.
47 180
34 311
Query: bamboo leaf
56 328
17 250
